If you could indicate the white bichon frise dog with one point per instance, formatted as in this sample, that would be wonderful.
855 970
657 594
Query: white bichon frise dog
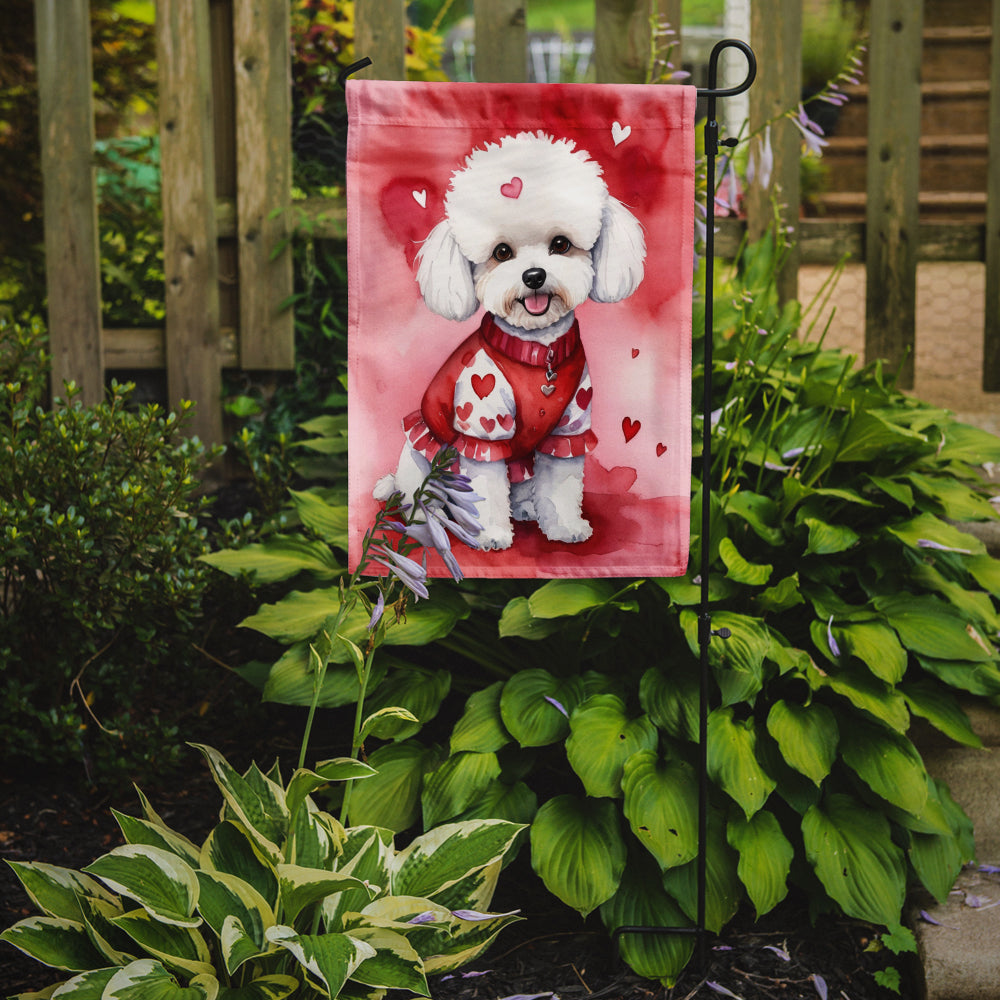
530 232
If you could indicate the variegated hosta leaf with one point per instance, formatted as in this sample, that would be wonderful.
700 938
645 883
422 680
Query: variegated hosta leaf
87 986
315 838
329 959
661 800
888 763
441 857
149 980
765 858
256 801
54 941
274 987
56 891
301 887
732 760
456 784
481 727
116 947
141 831
467 940
475 891
304 782
850 847
158 880
578 851
807 736
395 964
177 947
535 706
642 902
367 853
602 737
225 897
230 849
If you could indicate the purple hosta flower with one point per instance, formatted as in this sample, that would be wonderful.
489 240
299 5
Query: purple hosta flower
727 199
927 918
812 134
558 705
465 975
834 648
377 612
427 917
780 952
820 983
719 988
475 915
989 869
760 166
927 543
408 571
531 996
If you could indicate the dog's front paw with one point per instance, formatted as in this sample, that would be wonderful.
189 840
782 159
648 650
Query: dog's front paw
576 530
495 537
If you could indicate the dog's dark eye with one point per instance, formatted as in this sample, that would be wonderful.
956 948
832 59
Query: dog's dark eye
559 244
502 252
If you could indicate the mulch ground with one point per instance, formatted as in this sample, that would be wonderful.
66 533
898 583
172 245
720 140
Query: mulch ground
551 952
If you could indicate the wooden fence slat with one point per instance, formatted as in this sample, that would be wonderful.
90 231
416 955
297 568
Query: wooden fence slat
621 40
380 34
892 214
72 256
776 36
262 61
991 331
501 41
190 253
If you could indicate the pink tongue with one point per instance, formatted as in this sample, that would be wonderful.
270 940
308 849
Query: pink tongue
536 304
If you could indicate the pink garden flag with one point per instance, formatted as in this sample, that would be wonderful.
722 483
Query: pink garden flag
520 281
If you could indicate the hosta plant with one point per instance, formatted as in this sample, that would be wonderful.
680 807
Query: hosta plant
279 900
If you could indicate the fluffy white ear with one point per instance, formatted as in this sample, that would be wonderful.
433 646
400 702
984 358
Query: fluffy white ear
445 275
618 254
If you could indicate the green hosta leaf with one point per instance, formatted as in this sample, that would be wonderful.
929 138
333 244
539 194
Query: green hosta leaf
807 736
292 680
602 738
559 598
986 572
56 891
180 948
941 709
54 941
279 558
417 690
535 706
517 620
516 803
330 959
275 987
937 859
758 511
304 782
387 723
661 798
866 692
957 501
828 539
965 443
226 898
481 728
327 520
141 831
230 849
301 887
391 798
975 605
927 528
732 760
870 436
783 595
850 848
976 678
641 901
578 851
159 881
723 889
438 859
738 661
456 784
395 964
876 646
893 488
260 809
147 979
683 592
765 858
931 628
671 700
888 763
751 574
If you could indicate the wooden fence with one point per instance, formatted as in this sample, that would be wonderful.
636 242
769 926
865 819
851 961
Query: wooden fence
226 160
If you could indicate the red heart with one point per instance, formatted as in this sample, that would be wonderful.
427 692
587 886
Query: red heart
512 189
505 420
463 411
630 428
482 385
635 352
583 397
660 449
488 424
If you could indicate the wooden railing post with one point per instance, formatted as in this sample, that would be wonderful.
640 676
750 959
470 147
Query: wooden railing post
72 255
893 183
776 35
991 332
380 34
622 40
190 251
501 41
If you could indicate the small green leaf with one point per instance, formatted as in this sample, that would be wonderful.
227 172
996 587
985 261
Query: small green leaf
739 569
765 858
456 784
391 798
828 539
535 706
279 558
932 628
560 598
888 763
941 709
807 736
517 620
481 727
328 521
671 700
732 760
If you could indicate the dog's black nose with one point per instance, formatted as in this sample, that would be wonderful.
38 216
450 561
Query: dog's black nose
534 277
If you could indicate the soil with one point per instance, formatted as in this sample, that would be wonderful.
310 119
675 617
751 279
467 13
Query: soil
551 952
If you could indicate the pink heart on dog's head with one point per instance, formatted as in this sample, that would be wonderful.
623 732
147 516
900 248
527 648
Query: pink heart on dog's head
512 189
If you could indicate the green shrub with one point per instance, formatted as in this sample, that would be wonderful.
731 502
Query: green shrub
99 542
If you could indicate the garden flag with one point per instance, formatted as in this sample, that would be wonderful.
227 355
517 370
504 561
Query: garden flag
520 282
